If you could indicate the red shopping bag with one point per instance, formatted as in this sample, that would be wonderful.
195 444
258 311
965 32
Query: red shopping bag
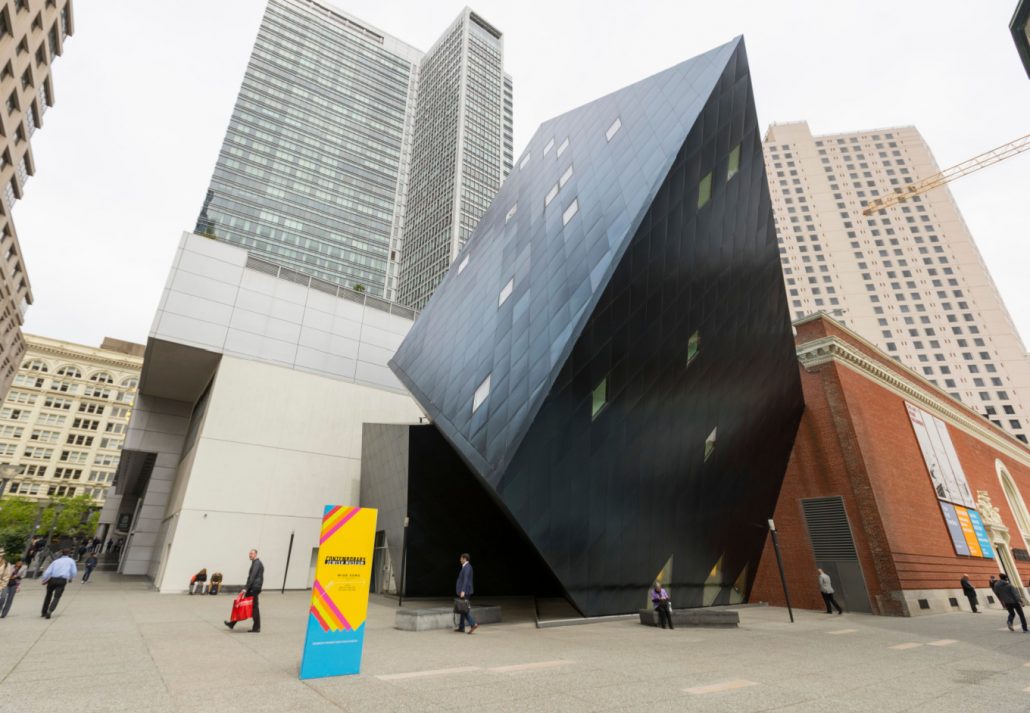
242 608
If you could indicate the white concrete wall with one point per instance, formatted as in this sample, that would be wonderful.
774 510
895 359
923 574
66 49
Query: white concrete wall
157 426
301 371
276 445
213 302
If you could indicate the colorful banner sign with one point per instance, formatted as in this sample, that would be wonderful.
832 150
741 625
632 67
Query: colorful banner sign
968 534
967 531
339 596
954 528
986 549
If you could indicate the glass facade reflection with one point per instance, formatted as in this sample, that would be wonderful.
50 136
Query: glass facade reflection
315 167
310 170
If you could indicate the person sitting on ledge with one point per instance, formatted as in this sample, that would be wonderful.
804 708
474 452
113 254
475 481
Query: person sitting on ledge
198 581
662 605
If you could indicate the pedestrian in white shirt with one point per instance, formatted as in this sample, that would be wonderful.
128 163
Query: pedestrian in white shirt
61 571
826 589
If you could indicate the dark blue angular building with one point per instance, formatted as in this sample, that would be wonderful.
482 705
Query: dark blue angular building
611 354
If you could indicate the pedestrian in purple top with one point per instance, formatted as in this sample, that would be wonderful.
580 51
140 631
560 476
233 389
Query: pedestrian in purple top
662 605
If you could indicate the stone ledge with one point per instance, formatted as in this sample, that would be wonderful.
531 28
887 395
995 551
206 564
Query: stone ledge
694 617
431 618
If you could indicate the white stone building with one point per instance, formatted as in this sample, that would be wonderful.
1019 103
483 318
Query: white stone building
256 383
63 421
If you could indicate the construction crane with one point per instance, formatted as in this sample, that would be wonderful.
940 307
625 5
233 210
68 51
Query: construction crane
989 158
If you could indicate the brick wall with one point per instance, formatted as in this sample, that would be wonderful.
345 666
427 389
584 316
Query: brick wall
856 441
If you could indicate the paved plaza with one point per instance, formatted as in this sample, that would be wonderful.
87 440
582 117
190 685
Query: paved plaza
117 645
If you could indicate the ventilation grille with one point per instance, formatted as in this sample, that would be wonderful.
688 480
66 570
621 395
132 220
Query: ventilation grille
828 529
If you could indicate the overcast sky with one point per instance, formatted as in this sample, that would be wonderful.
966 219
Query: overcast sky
145 89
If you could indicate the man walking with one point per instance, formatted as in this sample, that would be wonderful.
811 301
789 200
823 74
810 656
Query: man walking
255 580
463 588
91 563
1009 598
970 592
826 589
61 571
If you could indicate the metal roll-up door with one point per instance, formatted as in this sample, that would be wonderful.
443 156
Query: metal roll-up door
834 546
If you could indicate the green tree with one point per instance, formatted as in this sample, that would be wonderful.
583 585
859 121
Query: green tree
69 517
17 516
62 517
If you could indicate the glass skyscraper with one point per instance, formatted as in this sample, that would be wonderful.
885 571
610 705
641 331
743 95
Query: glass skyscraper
315 167
462 150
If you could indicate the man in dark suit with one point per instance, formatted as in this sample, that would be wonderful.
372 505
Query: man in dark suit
463 589
255 580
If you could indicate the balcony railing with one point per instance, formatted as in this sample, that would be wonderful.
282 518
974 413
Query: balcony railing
314 283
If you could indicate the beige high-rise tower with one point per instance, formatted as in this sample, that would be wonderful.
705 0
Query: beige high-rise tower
32 34
64 419
910 278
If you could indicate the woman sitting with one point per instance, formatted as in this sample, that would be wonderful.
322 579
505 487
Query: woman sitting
198 582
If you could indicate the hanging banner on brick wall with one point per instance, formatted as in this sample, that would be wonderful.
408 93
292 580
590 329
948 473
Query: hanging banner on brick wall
339 596
954 528
967 531
986 548
949 480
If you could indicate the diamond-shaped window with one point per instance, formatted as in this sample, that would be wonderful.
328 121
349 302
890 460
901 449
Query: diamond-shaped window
613 129
570 212
481 393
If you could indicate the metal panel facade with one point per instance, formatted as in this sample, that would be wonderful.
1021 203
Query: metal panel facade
611 353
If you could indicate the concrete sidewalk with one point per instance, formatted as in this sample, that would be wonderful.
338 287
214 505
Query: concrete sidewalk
116 645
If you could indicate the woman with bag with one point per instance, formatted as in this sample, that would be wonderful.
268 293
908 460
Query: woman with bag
662 605
15 573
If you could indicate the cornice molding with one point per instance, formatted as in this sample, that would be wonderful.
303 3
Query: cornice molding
834 349
78 357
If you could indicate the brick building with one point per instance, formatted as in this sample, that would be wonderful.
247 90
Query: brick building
894 488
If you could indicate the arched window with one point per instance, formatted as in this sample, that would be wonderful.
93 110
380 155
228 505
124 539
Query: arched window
69 371
102 377
35 365
1014 498
131 383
